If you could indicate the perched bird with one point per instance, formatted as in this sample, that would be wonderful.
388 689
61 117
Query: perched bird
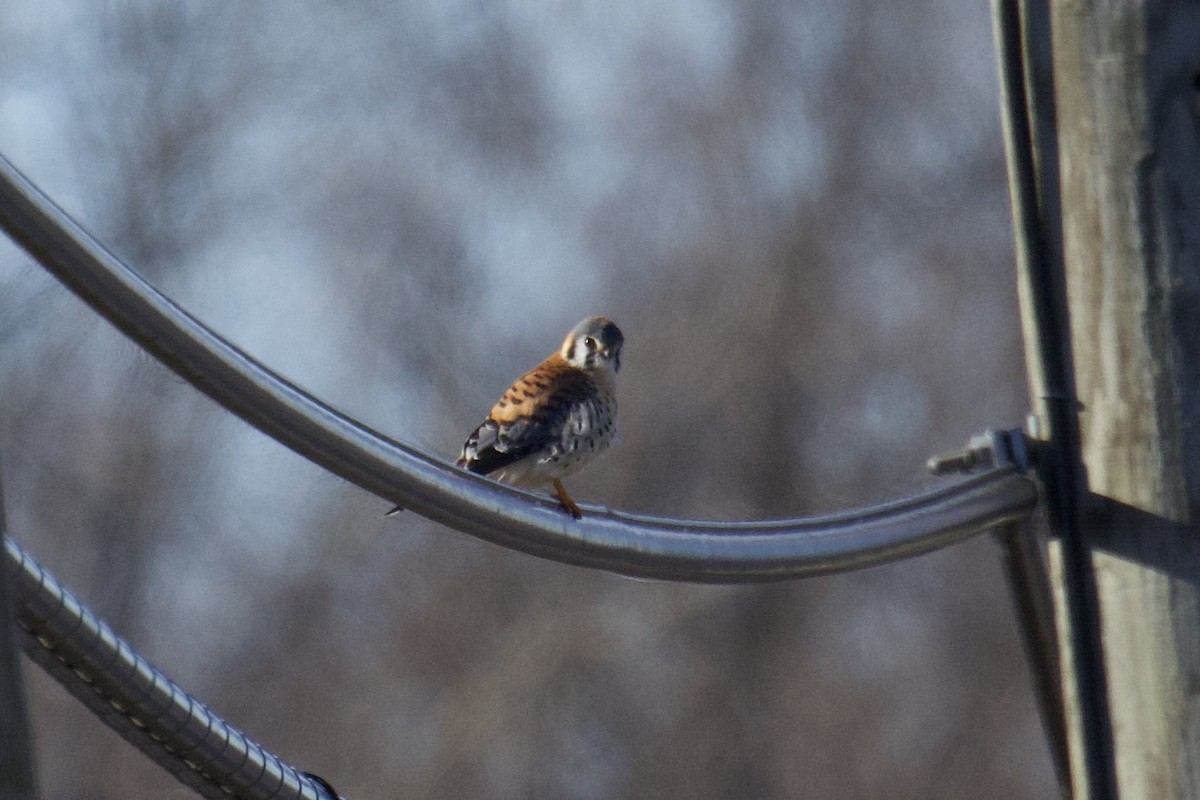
554 418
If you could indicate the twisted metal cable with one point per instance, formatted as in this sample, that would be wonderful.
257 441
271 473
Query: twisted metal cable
668 549
138 701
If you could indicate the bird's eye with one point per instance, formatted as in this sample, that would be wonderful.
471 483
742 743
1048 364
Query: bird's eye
589 343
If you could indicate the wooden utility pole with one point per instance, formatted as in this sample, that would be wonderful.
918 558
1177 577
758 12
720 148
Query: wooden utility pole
1126 78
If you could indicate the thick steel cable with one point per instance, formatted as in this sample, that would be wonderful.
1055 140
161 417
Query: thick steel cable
668 549
138 701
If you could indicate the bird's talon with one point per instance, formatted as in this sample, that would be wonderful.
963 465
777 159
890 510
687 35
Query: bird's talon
565 500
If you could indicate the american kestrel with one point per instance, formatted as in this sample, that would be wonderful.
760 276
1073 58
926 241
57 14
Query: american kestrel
554 418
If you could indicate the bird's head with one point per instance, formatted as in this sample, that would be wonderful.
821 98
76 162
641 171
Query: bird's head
594 344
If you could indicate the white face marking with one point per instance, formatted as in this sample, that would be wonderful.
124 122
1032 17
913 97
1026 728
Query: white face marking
586 352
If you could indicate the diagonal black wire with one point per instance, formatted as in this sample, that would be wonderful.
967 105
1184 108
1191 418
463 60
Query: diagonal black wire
139 702
660 548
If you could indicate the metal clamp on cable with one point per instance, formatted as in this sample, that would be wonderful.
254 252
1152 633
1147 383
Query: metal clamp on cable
995 447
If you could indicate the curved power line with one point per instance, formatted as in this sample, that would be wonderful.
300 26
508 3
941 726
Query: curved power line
141 703
669 549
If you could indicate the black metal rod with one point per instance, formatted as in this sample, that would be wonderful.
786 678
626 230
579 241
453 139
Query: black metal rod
17 774
1042 282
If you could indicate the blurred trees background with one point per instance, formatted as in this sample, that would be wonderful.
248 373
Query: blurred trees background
795 210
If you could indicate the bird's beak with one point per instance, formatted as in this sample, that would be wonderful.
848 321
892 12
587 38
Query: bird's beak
613 354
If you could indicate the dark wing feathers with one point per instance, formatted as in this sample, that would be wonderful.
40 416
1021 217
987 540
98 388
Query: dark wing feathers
496 445
529 417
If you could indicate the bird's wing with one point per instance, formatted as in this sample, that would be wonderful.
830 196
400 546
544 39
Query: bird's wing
528 418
